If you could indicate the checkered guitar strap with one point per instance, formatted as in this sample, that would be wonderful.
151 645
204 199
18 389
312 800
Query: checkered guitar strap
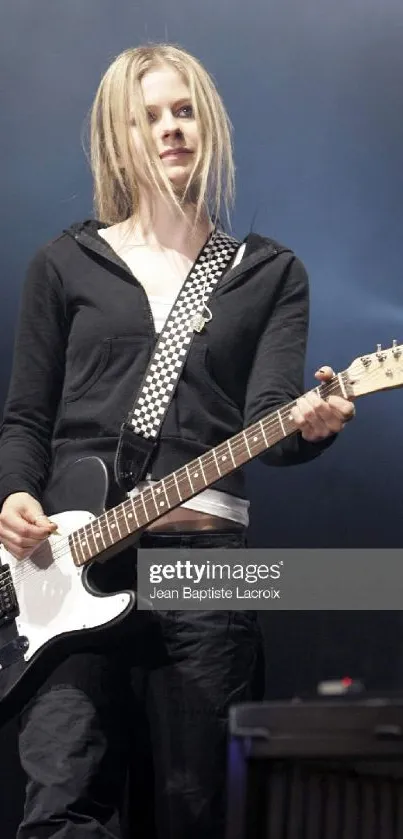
139 432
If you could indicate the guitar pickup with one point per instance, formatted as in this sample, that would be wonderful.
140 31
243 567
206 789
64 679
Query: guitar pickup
9 608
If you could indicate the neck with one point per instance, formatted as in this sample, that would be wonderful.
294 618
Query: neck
162 225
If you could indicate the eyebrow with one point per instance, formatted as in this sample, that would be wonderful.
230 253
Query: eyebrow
175 104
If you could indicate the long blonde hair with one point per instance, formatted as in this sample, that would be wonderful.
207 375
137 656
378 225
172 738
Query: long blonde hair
115 170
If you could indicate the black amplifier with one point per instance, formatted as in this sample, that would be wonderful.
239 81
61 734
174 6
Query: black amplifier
316 770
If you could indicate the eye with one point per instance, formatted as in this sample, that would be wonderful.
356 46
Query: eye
151 116
186 111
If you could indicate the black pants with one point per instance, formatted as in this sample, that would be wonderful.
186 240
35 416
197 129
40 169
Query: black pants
158 702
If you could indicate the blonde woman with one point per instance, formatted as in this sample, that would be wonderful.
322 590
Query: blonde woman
94 301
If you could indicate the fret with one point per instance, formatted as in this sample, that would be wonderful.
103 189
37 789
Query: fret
200 462
281 423
100 534
94 536
70 540
116 524
189 478
72 546
177 486
195 474
183 481
82 543
263 433
141 499
216 462
165 493
229 447
123 507
105 517
133 513
86 545
172 491
90 540
153 498
247 444
78 547
149 501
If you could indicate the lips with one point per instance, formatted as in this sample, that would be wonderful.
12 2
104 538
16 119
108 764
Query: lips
174 152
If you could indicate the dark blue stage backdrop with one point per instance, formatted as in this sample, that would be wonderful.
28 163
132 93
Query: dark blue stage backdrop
314 91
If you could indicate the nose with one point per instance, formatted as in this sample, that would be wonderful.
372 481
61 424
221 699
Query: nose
169 124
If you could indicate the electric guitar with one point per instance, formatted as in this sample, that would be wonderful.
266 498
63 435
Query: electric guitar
48 606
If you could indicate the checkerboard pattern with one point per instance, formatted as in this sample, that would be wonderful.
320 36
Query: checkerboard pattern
170 353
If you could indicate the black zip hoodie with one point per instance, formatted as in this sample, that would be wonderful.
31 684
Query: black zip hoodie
84 339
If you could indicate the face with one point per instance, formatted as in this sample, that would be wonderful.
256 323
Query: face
172 122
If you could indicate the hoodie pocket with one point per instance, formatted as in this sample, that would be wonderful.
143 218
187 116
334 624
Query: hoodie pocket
203 366
84 374
114 364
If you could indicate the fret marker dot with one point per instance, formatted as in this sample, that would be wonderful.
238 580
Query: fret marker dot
255 439
83 544
130 515
196 475
113 525
159 490
97 535
162 503
224 457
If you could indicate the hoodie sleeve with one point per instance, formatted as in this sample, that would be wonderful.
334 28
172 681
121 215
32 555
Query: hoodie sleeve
36 382
277 374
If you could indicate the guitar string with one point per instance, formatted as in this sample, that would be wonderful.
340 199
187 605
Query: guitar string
62 547
147 496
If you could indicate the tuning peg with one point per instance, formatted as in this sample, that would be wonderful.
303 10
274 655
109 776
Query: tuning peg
379 354
396 351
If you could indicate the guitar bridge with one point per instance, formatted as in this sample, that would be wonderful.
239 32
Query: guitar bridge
9 609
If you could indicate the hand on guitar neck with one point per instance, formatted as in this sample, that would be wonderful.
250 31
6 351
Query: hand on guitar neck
317 418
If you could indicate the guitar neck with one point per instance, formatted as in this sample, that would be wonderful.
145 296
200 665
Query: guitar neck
117 525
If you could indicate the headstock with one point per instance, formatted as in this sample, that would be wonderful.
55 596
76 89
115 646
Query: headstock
381 370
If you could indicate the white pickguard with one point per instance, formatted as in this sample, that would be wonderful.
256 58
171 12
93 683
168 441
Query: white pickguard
51 596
